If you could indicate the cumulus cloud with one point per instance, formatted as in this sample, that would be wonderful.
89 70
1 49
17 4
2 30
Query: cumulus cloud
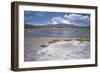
76 16
75 19
58 20
78 19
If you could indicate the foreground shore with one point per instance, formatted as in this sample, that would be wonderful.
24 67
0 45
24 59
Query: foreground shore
55 48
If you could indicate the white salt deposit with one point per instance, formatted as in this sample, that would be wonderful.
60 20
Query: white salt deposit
61 50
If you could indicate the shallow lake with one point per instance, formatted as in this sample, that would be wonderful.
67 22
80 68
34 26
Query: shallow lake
34 38
84 32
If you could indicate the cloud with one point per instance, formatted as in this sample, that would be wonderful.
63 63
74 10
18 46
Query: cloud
59 20
76 16
75 19
78 19
39 14
28 17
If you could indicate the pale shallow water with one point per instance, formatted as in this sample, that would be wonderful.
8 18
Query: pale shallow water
82 32
61 50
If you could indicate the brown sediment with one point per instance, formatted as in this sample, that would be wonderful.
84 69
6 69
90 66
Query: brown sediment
44 45
54 41
80 39
67 40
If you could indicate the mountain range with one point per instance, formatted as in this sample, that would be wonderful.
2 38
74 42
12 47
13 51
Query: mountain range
56 25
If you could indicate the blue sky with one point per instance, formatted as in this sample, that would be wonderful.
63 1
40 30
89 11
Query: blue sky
45 18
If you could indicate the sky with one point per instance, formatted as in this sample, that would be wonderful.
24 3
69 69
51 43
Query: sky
45 18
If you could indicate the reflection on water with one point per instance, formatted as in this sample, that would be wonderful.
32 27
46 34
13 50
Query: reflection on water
59 33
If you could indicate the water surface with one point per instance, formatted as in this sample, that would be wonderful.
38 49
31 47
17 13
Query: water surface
58 33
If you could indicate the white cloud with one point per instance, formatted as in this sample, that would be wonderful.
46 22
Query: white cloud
58 20
85 17
76 16
78 19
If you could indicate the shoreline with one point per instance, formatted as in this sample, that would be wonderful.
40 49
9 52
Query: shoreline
36 43
60 50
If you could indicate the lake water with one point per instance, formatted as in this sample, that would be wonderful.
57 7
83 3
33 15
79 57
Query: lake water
84 32
34 38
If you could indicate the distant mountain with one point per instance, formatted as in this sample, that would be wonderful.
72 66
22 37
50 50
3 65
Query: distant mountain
61 25
55 25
